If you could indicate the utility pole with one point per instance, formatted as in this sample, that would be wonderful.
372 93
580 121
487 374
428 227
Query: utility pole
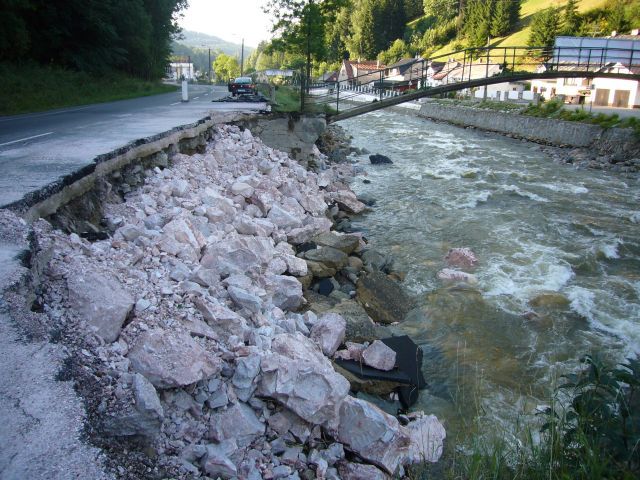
209 74
242 59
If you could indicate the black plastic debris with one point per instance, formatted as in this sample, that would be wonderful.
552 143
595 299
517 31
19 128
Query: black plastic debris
408 369
325 287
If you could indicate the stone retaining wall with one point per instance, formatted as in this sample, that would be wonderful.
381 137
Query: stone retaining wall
544 130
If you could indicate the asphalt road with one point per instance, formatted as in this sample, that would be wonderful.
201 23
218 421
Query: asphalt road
36 149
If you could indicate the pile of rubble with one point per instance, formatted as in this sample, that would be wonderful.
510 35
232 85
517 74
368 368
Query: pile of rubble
189 321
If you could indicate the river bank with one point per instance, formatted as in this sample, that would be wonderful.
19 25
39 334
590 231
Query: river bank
186 328
580 144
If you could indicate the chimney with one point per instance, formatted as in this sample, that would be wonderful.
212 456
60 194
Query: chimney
614 33
635 31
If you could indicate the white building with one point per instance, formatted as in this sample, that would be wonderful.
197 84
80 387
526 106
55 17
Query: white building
181 70
574 53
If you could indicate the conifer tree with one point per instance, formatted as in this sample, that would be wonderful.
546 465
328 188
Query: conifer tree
545 26
571 17
501 19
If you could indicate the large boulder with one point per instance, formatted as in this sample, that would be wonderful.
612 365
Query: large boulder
461 258
100 301
360 471
299 376
216 462
328 332
142 418
331 257
359 326
171 359
239 254
344 243
347 201
382 298
379 159
286 291
427 438
373 434
378 355
222 320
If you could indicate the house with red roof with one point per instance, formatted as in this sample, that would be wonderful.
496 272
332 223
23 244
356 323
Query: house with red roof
360 72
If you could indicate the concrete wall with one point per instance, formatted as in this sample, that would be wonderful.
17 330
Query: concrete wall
614 141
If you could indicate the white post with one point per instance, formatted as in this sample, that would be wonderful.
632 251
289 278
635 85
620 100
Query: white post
185 91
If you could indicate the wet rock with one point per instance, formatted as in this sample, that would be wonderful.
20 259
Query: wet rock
171 359
382 298
378 159
300 377
374 435
320 270
344 243
347 201
360 328
238 422
100 301
461 258
374 260
549 300
379 356
328 332
449 275
325 286
331 257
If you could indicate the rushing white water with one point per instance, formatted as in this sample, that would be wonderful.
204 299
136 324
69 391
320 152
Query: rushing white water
559 250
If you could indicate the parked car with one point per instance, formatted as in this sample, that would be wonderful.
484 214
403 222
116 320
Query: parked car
242 86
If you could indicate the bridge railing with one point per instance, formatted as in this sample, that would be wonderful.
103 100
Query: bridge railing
472 64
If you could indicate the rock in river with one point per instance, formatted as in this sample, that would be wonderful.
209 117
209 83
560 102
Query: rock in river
378 159
382 298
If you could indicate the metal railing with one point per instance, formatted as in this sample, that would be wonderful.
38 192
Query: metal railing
471 67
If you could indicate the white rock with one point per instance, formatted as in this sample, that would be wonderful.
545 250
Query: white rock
283 218
380 356
373 434
99 300
238 422
448 274
222 320
243 189
328 332
285 291
427 438
171 359
300 377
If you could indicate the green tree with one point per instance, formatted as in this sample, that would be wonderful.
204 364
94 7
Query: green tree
545 26
501 18
571 18
398 49
226 67
363 42
337 35
300 27
442 10
616 15
477 21
413 8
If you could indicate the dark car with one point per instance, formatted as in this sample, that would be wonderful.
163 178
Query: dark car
242 86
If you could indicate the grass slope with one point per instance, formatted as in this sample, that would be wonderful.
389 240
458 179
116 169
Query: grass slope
529 8
33 88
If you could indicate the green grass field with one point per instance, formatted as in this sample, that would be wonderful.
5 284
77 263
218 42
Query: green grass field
34 88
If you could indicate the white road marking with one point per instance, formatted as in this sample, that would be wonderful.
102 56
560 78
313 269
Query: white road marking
177 103
195 98
206 94
25 139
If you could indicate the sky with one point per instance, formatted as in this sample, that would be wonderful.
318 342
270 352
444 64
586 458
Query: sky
231 20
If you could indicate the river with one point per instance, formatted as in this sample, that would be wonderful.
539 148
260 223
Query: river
559 270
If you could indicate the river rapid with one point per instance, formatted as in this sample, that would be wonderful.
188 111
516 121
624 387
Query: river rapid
558 273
